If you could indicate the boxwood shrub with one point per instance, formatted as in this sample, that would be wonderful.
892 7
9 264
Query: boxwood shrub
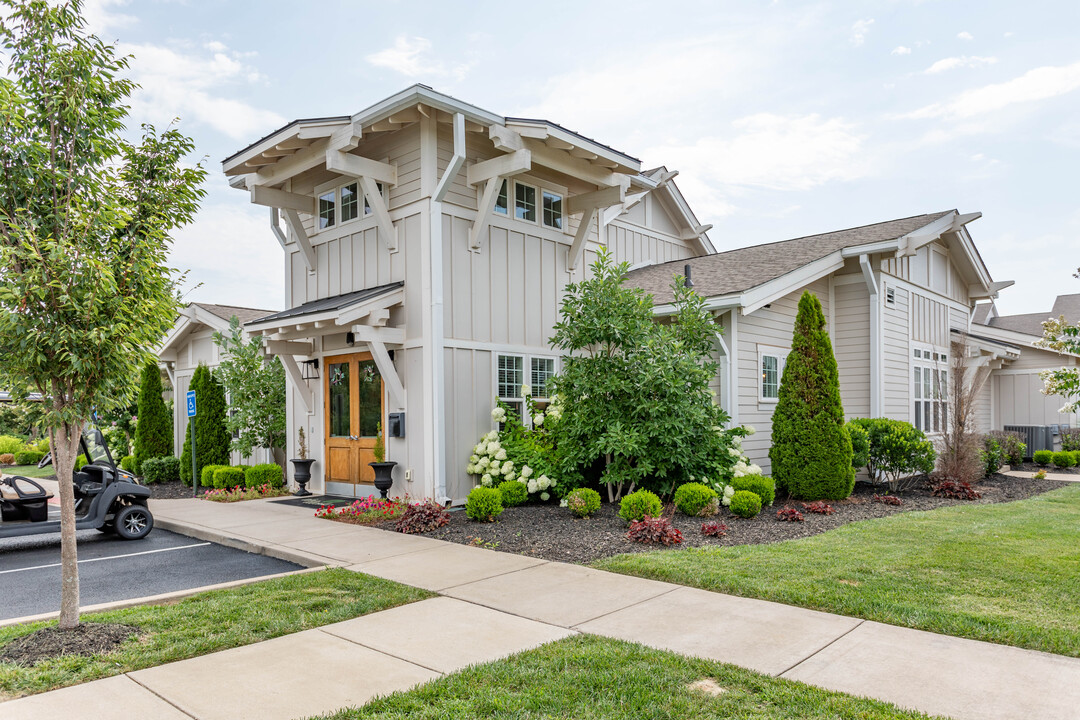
1043 457
745 504
28 457
11 444
1063 459
762 486
228 477
696 499
161 469
583 502
638 504
513 493
266 474
484 504
128 463
206 477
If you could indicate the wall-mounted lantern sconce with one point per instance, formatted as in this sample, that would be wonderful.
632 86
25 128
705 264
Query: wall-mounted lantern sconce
310 370
350 339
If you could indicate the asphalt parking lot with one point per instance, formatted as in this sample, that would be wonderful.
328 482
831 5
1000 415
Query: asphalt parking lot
111 569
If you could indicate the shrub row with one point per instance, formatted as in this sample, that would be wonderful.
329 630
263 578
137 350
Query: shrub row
251 476
160 469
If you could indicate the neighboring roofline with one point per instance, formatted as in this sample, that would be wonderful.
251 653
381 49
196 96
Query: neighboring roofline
983 338
190 315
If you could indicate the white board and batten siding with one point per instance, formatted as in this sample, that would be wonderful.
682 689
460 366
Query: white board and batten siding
767 329
896 354
851 343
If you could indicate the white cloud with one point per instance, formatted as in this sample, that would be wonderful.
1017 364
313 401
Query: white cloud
412 57
901 50
102 18
859 31
773 152
965 35
1034 85
964 61
197 87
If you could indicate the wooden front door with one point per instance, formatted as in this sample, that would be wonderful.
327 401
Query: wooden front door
353 393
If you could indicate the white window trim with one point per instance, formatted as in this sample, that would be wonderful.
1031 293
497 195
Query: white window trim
536 203
781 355
526 365
562 210
509 187
540 186
939 361
336 187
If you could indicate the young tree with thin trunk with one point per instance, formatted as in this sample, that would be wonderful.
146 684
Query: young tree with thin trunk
960 446
85 223
256 391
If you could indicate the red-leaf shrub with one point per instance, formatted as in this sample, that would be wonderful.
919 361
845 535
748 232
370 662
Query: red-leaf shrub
887 500
954 489
422 518
654 530
819 507
713 528
789 515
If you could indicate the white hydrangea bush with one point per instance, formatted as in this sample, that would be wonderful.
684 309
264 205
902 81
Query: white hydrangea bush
492 463
742 467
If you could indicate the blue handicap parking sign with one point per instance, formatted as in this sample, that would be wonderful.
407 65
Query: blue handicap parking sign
191 403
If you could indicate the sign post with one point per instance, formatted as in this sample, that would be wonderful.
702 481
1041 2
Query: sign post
194 465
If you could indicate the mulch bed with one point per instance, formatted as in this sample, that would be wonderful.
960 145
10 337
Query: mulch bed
51 642
175 490
552 533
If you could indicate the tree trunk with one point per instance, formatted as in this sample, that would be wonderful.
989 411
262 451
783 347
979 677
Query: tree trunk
65 443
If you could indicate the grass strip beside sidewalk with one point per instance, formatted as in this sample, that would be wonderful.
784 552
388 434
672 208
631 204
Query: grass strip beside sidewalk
209 622
588 677
1007 573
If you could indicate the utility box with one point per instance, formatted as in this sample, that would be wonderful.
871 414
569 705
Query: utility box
1037 437
395 425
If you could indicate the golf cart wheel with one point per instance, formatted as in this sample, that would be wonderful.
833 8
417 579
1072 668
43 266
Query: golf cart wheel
133 522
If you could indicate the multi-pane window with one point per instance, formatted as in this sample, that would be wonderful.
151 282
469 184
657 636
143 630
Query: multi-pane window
552 210
367 205
930 390
326 209
510 378
502 201
349 203
525 202
542 370
770 377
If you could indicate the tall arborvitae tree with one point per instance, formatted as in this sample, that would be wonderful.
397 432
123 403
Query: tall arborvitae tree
85 223
153 429
811 449
211 437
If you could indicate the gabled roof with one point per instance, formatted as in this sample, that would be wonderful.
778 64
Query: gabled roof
227 312
1032 323
328 305
213 316
737 271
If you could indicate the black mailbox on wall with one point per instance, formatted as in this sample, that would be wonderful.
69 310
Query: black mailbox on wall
395 426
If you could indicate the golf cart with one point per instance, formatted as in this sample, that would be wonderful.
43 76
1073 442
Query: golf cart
107 498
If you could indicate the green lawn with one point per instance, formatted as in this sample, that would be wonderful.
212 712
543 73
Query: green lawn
1007 573
31 471
212 621
588 677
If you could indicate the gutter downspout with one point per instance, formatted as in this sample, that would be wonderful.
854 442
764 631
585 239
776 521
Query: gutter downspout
875 335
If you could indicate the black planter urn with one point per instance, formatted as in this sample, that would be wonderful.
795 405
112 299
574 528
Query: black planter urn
383 476
302 475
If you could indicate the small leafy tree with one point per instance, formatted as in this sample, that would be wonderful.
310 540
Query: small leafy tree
634 392
211 437
153 430
811 451
897 451
85 223
256 392
1060 336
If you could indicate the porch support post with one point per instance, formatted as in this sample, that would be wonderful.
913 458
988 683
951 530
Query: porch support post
389 373
875 334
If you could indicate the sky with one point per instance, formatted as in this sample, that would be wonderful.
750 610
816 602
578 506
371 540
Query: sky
784 118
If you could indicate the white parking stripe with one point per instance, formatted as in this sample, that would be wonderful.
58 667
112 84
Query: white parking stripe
111 557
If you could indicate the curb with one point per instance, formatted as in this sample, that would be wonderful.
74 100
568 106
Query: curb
162 599
199 532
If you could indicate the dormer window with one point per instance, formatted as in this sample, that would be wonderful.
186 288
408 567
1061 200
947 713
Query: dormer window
349 202
502 201
525 202
326 210
553 213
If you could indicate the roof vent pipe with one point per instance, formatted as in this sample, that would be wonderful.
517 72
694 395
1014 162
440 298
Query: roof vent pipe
689 281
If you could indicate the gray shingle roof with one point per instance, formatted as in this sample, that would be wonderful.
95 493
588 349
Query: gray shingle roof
1031 323
739 270
333 303
226 312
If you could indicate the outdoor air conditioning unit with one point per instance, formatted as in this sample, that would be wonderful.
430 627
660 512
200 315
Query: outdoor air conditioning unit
1037 437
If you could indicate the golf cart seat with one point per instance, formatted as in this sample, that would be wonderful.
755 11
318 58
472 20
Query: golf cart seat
23 499
88 481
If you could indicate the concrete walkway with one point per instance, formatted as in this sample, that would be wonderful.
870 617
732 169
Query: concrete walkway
1063 477
493 604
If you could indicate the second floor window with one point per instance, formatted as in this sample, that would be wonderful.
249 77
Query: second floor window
349 204
502 201
552 210
525 202
326 210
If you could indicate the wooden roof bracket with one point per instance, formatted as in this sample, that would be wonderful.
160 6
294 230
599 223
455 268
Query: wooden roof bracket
292 370
456 162
369 172
492 173
589 204
388 372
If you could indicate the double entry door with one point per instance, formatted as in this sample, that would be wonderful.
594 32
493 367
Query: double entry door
353 392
